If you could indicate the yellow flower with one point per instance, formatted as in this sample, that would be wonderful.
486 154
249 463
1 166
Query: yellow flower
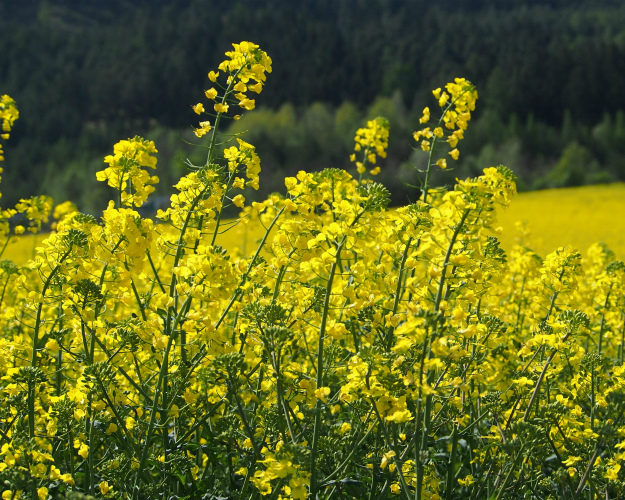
205 127
386 458
454 153
211 93
373 141
104 487
199 108
212 76
612 472
322 393
248 104
239 200
258 87
63 209
221 108
467 481
572 460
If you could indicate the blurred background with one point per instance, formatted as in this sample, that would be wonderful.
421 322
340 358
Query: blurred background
88 73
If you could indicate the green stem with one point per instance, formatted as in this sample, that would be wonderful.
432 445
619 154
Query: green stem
622 347
451 465
584 478
540 380
452 242
155 271
418 421
322 329
281 402
427 344
127 437
398 291
211 146
223 201
151 425
509 475
396 459
605 305
40 307
6 243
356 444
33 361
426 182
246 424
252 263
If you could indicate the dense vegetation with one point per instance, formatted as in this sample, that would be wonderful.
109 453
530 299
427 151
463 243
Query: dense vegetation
85 73
358 352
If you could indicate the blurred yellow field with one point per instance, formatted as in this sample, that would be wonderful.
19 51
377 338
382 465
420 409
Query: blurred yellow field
555 217
22 250
575 216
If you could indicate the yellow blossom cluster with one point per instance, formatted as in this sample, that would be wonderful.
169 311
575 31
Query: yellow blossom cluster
246 68
372 141
244 155
8 115
125 172
457 102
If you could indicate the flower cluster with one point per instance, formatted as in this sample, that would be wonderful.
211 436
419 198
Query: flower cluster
246 69
372 141
125 172
8 115
36 211
245 155
457 102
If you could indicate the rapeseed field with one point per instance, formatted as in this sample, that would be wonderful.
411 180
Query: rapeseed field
350 351
578 216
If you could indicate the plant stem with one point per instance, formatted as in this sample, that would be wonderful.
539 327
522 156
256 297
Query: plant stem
151 425
451 464
322 329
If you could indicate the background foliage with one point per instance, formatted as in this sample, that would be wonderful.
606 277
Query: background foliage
86 73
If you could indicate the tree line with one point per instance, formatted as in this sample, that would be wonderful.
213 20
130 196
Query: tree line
86 74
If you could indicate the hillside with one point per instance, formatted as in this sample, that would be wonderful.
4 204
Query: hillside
86 74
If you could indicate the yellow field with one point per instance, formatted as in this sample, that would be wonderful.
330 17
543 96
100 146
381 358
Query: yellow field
22 250
575 216
554 217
